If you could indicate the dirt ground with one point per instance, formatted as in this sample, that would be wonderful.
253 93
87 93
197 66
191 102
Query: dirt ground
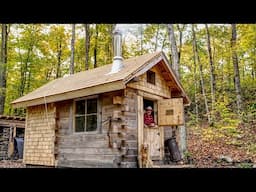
236 151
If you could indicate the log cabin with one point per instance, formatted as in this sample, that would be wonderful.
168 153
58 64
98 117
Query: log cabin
94 118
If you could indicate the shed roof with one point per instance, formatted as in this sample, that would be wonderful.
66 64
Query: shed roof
94 81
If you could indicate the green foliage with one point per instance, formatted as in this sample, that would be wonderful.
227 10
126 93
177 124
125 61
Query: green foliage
37 52
245 165
188 158
193 119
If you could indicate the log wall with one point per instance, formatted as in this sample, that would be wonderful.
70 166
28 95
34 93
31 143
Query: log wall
87 149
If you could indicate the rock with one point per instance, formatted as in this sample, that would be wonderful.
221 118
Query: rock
239 136
226 158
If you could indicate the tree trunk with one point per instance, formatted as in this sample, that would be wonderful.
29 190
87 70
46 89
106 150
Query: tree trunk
212 71
59 54
3 63
180 29
87 45
175 65
236 70
72 59
25 70
174 50
195 85
157 34
141 39
200 74
95 47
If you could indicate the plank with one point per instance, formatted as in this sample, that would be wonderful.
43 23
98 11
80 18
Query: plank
84 157
86 163
140 125
78 144
89 151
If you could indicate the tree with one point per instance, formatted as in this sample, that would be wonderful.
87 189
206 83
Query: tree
180 29
212 71
201 74
87 45
157 37
96 45
174 50
3 64
236 69
71 67
175 66
141 39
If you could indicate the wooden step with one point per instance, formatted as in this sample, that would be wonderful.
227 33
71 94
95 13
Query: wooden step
86 164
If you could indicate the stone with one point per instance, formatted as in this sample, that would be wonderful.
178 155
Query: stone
226 158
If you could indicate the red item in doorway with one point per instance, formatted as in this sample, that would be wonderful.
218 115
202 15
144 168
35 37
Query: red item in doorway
148 119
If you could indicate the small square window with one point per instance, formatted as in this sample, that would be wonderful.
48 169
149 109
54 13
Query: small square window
151 77
86 115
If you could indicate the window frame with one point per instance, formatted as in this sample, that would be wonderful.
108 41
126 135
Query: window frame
98 115
148 74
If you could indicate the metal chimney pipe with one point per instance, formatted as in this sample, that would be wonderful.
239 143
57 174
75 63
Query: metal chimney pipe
118 59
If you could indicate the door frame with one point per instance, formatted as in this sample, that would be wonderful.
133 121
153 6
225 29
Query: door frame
140 121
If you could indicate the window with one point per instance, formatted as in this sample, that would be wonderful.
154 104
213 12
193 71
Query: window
86 115
151 77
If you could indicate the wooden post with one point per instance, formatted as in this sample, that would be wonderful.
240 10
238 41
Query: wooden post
11 142
140 126
24 144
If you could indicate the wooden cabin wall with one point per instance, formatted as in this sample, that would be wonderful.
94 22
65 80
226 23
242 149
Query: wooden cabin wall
160 88
89 149
130 129
40 135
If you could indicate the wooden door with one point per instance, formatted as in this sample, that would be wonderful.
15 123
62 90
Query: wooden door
154 138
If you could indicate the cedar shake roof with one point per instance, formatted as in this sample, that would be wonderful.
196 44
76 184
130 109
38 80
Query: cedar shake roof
95 81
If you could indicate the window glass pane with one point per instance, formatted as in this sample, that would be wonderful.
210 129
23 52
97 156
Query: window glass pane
79 124
80 107
91 122
91 106
151 77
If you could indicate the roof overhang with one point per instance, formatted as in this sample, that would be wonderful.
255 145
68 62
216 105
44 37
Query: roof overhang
107 87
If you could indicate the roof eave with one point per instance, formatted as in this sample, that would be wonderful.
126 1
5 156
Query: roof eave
111 86
187 101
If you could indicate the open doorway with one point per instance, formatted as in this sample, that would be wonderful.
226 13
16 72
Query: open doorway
147 103
153 104
153 136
